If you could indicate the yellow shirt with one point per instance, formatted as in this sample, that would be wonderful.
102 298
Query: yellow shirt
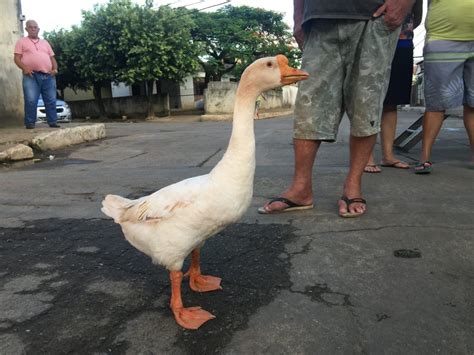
451 20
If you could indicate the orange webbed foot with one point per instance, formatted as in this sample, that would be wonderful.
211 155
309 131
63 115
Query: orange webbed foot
204 283
192 317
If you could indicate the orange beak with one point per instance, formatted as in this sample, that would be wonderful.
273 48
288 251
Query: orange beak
289 75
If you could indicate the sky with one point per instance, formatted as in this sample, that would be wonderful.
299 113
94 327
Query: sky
57 14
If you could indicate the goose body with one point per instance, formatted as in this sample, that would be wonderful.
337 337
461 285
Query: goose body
175 221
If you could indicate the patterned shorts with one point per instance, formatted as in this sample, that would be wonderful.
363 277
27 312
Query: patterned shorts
349 66
449 74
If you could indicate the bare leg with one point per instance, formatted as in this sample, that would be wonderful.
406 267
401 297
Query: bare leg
360 149
387 136
301 188
432 122
189 318
199 282
469 124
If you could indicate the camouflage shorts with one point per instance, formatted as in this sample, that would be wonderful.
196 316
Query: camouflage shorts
349 66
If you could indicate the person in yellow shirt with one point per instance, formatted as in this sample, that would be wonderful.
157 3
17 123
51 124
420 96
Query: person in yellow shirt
449 71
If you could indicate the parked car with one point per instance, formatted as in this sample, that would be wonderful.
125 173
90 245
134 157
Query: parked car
62 108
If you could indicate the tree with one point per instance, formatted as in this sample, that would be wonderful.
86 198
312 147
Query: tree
233 37
67 53
157 45
97 42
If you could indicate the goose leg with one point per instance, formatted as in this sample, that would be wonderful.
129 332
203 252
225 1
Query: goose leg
189 318
199 282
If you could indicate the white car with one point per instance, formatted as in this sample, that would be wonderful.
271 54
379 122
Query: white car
62 108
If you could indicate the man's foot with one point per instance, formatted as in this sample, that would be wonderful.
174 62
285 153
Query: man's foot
372 169
282 204
351 207
54 125
395 164
29 126
424 168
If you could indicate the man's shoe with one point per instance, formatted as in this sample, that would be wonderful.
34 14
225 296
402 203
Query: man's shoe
29 126
54 125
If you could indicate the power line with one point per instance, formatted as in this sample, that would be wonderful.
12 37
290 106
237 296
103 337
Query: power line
198 10
193 3
219 4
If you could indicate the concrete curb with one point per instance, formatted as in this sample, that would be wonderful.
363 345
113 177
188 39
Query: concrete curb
68 136
20 146
17 152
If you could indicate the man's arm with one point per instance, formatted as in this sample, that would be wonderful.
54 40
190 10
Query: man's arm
395 12
417 13
54 69
298 33
17 59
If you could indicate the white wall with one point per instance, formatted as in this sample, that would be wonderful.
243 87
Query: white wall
121 90
187 93
11 92
219 97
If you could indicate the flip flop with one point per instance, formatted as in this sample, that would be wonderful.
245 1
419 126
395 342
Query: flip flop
372 166
292 206
424 168
350 201
396 164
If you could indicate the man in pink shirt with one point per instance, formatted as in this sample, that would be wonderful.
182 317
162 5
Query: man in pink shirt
35 57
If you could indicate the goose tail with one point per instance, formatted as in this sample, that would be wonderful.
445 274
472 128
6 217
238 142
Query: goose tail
114 206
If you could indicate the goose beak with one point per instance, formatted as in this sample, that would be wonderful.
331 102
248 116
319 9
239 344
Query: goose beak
289 75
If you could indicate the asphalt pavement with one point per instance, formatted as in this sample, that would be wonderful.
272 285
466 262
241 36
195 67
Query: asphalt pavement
398 280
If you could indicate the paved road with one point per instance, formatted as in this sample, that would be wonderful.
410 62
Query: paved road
399 280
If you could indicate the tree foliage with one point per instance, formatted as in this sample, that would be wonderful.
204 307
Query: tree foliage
233 37
157 45
121 41
61 44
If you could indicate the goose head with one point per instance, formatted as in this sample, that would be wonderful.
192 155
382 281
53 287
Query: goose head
271 72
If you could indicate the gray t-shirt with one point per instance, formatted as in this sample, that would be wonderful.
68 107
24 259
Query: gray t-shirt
340 9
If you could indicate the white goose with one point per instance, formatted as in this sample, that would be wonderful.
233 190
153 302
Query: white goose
175 221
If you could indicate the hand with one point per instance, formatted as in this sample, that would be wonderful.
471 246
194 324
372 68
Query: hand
53 72
27 71
395 12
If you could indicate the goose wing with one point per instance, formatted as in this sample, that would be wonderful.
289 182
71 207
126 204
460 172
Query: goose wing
166 202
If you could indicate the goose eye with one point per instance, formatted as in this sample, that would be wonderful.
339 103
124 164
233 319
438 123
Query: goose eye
269 64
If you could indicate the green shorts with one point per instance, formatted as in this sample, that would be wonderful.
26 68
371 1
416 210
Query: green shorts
349 66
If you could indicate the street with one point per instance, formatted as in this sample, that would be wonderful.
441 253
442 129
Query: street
398 280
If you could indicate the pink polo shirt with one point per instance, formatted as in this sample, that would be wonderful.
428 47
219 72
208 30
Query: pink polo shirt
36 54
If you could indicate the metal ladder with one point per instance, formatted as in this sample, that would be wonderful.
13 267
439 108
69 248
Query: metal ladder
411 136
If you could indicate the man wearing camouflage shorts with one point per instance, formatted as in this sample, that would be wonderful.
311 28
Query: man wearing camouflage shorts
348 48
